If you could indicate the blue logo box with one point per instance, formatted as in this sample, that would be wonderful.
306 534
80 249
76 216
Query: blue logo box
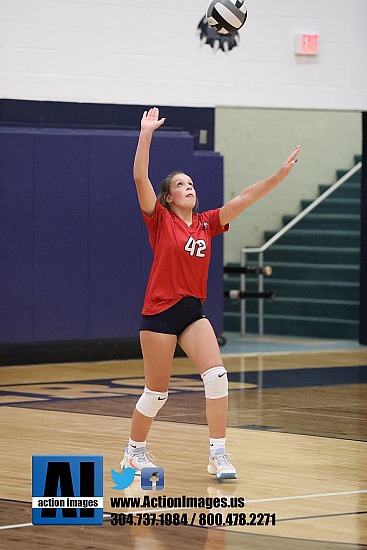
152 479
67 490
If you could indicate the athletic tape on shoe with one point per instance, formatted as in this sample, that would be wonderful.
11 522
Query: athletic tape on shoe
215 383
150 402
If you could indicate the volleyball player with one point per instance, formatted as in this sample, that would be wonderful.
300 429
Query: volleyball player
173 306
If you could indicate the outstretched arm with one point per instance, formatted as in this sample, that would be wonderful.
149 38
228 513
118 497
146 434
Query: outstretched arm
146 195
251 194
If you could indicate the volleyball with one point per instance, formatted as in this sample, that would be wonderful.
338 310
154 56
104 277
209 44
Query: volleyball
226 16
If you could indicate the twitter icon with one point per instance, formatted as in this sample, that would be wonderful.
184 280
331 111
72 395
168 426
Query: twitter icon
124 480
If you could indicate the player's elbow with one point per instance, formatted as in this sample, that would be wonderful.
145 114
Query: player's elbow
138 177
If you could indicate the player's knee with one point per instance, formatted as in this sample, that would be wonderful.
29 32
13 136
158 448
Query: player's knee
151 402
215 383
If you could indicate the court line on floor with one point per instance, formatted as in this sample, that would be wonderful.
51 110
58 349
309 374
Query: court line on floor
251 501
321 516
16 526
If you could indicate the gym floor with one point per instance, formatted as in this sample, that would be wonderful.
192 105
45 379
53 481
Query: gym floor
297 432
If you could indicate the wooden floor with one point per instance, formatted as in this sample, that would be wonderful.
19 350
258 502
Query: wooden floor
297 434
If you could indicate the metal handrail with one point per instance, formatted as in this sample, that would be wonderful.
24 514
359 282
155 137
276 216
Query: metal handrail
260 250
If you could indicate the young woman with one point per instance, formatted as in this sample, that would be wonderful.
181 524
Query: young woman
173 305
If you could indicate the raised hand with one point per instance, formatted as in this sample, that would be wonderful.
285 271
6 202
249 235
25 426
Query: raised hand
150 120
289 163
254 192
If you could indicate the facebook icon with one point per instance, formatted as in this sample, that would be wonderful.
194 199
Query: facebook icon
152 479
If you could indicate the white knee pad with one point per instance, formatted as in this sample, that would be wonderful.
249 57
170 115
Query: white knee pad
215 383
150 402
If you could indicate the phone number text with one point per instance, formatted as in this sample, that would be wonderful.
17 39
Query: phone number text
202 519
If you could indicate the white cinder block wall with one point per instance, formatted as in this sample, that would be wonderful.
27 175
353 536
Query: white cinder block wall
145 52
129 51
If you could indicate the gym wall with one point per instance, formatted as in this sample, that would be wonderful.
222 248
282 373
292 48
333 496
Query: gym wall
109 53
123 51
254 144
74 251
267 99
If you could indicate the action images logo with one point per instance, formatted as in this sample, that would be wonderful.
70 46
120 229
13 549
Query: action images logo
67 490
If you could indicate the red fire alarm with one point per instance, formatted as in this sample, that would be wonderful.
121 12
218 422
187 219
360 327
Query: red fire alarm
307 44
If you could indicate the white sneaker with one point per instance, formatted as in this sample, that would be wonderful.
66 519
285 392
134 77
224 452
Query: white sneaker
138 460
220 466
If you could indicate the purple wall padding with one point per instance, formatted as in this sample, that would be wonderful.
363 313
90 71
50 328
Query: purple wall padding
60 236
207 174
16 237
74 251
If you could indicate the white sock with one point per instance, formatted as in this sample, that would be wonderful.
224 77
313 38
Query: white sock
135 445
217 446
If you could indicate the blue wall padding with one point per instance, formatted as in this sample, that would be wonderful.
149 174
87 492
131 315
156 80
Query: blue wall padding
74 251
207 173
60 237
115 236
16 236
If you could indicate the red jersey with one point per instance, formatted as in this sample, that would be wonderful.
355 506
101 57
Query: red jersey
181 256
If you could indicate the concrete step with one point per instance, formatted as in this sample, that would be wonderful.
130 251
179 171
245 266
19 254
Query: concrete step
328 290
349 190
330 222
335 206
315 272
314 237
316 254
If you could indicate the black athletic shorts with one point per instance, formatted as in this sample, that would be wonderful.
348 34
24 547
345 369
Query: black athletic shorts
175 319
